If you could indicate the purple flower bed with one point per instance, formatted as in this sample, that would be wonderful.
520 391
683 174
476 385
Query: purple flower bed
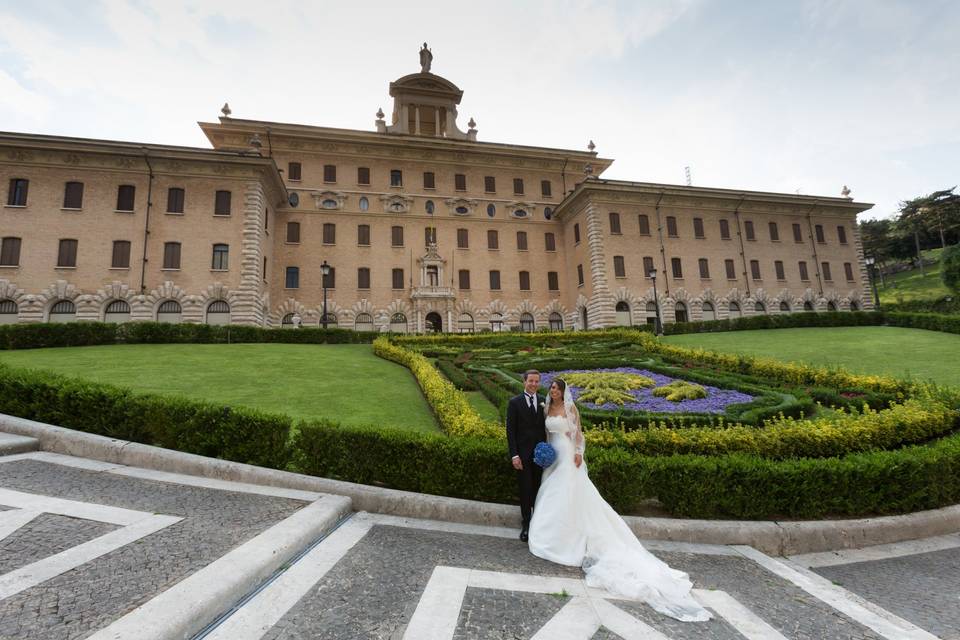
716 401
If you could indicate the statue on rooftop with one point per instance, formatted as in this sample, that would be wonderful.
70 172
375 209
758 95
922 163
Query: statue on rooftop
426 59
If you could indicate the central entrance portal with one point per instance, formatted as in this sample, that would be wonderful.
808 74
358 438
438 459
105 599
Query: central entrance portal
434 322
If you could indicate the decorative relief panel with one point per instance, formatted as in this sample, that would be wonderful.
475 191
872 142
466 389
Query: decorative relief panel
396 203
331 200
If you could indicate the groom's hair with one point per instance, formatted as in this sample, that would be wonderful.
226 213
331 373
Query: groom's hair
530 372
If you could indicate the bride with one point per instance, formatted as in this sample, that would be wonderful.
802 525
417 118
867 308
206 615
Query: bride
573 525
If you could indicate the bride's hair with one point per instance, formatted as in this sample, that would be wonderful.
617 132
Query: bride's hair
560 385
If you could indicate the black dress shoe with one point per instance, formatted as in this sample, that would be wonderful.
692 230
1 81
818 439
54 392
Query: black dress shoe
523 535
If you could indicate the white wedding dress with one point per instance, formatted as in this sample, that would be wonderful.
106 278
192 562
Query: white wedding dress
573 525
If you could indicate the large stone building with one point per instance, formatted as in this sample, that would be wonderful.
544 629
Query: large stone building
422 227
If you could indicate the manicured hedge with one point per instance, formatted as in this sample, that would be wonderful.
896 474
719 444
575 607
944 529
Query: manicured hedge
778 321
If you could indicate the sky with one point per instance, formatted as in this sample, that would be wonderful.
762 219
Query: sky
799 96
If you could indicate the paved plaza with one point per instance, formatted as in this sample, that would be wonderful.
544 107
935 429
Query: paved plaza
90 549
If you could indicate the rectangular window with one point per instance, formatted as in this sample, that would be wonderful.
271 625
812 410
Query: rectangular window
429 180
614 222
293 232
363 278
293 171
73 195
730 269
17 196
546 189
463 276
363 235
774 232
704 268
493 239
10 252
518 186
698 228
521 240
580 275
576 233
804 275
363 175
825 270
460 182
647 266
619 268
553 281
671 226
755 269
266 220
126 197
397 278
67 255
848 271
292 280
797 233
748 230
842 234
221 254
644 224
549 241
329 233
524 281
490 184
429 236
778 267
264 268
329 173
175 198
463 239
171 255
330 280
818 230
677 268
495 280
221 205
724 229
396 178
396 236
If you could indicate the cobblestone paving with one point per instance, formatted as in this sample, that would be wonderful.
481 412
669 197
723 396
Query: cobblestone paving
91 596
45 536
492 614
922 588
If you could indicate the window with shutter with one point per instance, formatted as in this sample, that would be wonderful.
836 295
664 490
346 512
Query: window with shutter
546 189
521 240
619 268
460 182
524 281
67 255
293 232
614 222
363 175
493 239
73 195
293 171
494 280
222 205
518 186
171 255
429 180
644 224
126 196
730 268
17 196
490 184
549 241
363 235
329 173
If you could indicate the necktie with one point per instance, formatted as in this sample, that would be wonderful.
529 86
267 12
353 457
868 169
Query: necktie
531 403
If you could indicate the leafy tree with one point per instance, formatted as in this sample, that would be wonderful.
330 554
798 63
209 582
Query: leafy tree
950 268
932 215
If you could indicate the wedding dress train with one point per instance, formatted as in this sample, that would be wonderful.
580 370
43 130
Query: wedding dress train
573 525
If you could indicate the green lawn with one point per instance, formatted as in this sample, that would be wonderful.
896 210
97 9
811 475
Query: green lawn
905 353
911 285
342 382
482 406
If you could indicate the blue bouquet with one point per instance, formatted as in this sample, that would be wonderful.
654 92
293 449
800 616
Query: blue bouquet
544 454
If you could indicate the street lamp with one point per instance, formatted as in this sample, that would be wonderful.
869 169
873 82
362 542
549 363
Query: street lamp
325 270
657 325
873 282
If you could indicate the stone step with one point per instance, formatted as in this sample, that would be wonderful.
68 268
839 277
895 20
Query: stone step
11 444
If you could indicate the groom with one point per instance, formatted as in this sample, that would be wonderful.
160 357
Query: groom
526 428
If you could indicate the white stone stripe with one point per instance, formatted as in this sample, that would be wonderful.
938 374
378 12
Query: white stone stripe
213 483
577 620
740 618
623 624
58 458
255 618
50 567
527 583
878 552
439 607
12 520
866 613
71 508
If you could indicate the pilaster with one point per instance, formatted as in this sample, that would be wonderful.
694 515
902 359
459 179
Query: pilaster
600 312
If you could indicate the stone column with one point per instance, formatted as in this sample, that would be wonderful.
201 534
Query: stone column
600 311
246 307
866 301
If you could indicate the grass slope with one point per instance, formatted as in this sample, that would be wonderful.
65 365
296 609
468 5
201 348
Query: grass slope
911 285
341 382
905 353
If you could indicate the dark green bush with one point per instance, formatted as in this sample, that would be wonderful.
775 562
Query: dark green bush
456 375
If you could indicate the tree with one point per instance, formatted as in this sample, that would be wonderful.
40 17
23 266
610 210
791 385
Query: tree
932 215
950 268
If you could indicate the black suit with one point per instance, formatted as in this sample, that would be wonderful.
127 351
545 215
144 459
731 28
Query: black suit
526 428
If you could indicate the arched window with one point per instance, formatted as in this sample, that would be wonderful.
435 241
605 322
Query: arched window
331 319
708 312
363 322
831 306
854 306
465 323
398 323
496 322
807 306
8 311
364 203
117 311
287 321
218 312
623 314
491 210
759 308
735 310
169 311
429 206
556 322
784 307
680 312
526 322
63 311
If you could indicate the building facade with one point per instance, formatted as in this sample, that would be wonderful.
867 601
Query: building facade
422 228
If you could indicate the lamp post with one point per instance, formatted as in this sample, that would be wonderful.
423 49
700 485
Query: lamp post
657 326
873 282
325 270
